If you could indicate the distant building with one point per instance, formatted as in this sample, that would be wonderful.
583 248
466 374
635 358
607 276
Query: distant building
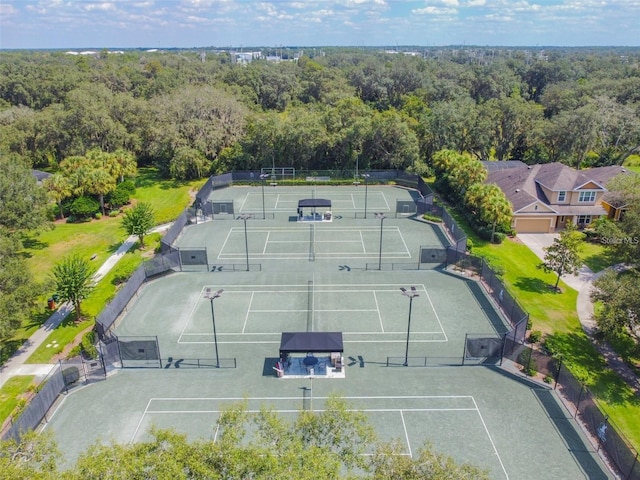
245 57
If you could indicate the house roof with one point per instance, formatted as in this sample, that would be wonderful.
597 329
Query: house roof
503 165
40 175
522 184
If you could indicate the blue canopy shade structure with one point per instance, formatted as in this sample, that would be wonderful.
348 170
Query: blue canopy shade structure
314 202
310 342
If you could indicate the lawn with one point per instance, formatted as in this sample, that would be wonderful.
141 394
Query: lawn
11 392
167 197
103 292
555 315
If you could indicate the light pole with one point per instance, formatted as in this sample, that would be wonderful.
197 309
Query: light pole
212 296
411 294
381 217
245 217
366 185
263 177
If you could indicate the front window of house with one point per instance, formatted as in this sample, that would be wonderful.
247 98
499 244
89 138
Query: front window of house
562 196
584 219
587 196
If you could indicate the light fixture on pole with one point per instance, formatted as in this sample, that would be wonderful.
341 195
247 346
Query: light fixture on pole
381 217
411 294
366 185
263 177
245 217
212 296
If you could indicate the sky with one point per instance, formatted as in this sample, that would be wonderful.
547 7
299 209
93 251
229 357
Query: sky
76 24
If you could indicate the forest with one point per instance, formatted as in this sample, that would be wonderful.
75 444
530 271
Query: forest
192 113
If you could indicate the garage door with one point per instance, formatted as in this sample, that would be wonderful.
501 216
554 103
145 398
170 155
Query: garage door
533 225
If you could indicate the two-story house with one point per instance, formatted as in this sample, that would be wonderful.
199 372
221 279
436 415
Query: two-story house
545 197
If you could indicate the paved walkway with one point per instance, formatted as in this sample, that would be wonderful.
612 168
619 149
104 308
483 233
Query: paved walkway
16 365
583 284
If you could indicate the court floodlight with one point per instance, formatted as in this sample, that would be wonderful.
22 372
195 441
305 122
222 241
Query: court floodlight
366 188
380 216
411 294
263 177
245 217
211 296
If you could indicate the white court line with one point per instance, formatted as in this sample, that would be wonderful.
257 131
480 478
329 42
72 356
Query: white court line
191 315
364 248
375 299
385 201
353 201
266 242
224 244
133 437
277 200
495 450
244 202
246 317
434 312
406 433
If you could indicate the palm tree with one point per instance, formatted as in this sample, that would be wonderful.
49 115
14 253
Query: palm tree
121 164
58 188
99 182
495 208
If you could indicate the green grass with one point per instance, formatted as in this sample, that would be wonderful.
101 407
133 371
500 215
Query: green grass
103 292
96 237
11 392
555 315
167 197
596 256
100 237
632 162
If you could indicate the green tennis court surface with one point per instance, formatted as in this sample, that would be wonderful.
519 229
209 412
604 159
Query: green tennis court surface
324 277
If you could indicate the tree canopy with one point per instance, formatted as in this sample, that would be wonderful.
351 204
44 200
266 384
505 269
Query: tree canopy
330 108
333 443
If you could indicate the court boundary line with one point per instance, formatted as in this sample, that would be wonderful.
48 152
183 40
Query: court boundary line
401 411
332 288
339 197
276 255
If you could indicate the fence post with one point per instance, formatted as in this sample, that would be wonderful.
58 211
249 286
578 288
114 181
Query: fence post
464 351
582 388
633 467
557 373
504 345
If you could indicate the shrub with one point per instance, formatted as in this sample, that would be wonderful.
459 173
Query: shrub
431 218
98 216
469 244
499 237
548 379
530 371
88 345
535 336
85 207
114 213
121 195
123 272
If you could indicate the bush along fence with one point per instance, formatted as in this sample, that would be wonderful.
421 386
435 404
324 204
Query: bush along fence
575 396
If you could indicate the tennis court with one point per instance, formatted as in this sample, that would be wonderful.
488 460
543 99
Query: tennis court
486 416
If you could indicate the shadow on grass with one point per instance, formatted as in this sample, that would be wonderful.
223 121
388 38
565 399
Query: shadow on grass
9 347
587 365
532 284
151 178
33 243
